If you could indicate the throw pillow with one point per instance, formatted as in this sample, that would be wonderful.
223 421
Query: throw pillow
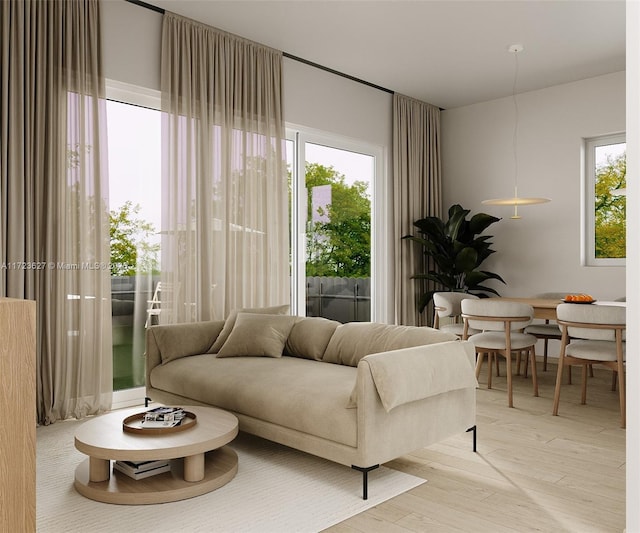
256 334
231 320
309 337
352 341
194 339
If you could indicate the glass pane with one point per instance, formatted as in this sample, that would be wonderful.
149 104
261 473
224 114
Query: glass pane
338 233
134 199
610 201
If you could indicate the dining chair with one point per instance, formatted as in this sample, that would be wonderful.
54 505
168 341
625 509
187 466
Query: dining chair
547 331
500 324
447 305
592 335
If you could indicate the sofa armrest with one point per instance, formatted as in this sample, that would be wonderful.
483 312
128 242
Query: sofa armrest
411 425
412 374
151 353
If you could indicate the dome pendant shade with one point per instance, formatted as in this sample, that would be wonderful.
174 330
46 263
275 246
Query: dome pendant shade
515 202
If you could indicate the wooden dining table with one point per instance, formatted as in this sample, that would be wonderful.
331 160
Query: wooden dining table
545 308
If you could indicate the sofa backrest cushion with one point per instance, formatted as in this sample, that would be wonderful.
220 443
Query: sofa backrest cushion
352 341
258 335
231 320
199 335
309 337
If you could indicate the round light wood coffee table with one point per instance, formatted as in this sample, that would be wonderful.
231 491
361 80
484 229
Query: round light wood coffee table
200 461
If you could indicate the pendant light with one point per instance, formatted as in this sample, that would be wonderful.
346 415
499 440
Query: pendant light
516 200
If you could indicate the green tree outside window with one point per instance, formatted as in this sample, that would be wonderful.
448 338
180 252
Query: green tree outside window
339 245
610 209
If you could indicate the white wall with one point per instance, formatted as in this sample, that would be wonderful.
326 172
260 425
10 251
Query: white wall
541 251
313 98
131 43
131 37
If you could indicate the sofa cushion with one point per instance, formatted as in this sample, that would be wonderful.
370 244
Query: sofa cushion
307 396
258 335
171 339
231 320
309 337
352 341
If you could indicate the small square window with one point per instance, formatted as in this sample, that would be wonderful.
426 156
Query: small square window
604 210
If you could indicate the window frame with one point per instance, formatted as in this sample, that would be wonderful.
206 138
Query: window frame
300 135
135 95
588 200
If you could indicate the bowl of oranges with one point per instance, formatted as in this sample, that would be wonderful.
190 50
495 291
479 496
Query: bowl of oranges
578 299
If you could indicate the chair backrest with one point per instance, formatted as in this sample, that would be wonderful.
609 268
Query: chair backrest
487 307
448 303
604 315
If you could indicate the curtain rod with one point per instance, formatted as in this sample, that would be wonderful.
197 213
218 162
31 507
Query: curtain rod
285 54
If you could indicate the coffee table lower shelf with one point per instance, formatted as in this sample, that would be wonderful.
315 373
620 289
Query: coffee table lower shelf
220 467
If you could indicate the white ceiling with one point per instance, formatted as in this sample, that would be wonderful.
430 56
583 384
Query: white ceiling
447 53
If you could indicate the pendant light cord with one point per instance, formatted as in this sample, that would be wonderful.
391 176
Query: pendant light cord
516 200
515 127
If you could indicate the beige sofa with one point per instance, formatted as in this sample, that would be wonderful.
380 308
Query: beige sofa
359 394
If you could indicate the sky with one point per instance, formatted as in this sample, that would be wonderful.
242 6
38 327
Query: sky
354 166
134 159
611 149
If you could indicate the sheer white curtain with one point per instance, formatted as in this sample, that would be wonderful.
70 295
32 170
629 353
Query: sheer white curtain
417 194
54 232
225 233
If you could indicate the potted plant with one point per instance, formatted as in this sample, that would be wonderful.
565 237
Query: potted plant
457 250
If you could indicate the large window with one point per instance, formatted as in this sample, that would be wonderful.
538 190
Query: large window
133 127
336 240
605 201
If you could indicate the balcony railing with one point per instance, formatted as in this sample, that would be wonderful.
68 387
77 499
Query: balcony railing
341 299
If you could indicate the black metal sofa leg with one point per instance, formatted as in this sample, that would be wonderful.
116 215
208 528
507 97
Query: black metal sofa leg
474 437
365 470
365 477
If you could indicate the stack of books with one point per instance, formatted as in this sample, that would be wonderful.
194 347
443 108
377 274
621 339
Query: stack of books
142 469
163 417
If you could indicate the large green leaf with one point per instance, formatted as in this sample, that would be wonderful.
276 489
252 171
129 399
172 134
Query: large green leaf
480 222
443 279
486 289
467 260
493 275
432 227
429 246
453 225
473 279
456 208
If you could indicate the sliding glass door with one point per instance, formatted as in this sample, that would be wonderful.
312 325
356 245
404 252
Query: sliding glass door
133 123
332 182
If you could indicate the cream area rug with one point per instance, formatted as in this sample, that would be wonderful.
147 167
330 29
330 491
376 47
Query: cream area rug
277 489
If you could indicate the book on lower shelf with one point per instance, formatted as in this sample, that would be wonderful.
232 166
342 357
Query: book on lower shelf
142 469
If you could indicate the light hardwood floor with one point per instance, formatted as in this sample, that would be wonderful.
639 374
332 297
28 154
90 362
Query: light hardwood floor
532 472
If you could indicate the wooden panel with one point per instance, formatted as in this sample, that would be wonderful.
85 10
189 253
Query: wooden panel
18 422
